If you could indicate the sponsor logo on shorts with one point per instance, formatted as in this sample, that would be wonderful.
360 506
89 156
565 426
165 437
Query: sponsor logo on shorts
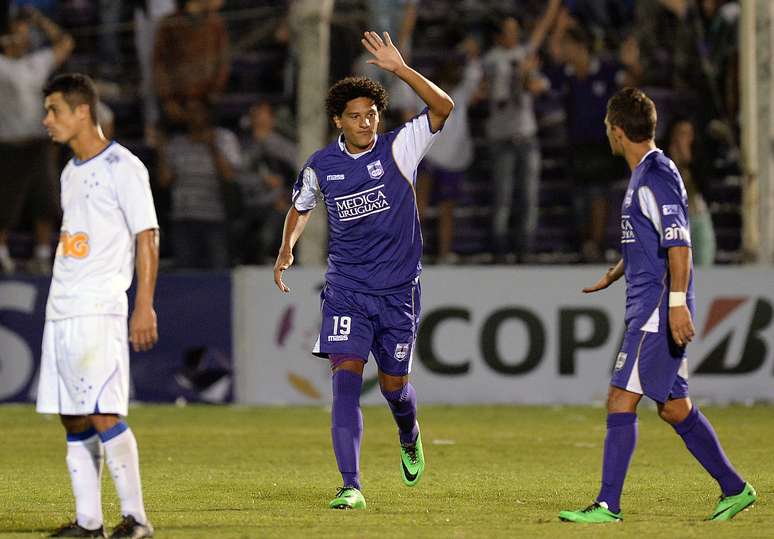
670 209
401 351
620 361
335 177
375 169
362 204
336 338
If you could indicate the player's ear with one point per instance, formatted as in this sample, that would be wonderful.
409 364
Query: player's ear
337 122
83 111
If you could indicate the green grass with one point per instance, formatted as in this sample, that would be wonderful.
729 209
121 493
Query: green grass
492 472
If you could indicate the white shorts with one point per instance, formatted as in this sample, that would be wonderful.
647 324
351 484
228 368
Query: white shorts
84 366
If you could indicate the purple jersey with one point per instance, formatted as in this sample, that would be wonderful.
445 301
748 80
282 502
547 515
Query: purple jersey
375 242
654 217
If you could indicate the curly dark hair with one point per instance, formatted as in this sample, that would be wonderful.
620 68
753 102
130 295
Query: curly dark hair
351 88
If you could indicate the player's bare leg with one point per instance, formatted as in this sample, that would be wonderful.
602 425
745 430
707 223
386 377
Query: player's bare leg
347 429
701 440
402 400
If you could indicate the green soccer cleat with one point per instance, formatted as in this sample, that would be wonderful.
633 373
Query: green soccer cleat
596 513
728 506
348 498
412 461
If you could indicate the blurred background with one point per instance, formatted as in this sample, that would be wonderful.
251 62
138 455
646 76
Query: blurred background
520 194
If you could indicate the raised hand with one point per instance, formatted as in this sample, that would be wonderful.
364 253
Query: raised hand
386 55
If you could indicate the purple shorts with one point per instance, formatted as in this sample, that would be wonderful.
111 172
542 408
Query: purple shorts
651 364
447 184
355 324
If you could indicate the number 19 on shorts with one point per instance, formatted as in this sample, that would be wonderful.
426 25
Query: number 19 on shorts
341 328
342 325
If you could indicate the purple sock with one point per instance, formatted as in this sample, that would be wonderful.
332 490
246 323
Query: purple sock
347 425
619 447
703 443
403 404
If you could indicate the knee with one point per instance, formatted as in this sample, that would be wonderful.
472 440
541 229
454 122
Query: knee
104 422
674 414
395 392
619 401
75 423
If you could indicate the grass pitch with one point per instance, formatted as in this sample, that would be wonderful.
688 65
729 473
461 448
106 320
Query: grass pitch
236 472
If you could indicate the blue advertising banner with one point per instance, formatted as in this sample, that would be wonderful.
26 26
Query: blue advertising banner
192 360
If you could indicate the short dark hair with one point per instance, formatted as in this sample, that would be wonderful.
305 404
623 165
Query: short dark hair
351 88
634 112
77 89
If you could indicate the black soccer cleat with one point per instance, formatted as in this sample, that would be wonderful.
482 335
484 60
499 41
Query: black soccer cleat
132 529
73 529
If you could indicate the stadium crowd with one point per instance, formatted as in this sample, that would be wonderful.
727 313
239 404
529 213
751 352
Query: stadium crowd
203 91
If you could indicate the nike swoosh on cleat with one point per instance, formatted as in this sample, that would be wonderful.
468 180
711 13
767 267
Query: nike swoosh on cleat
410 476
716 515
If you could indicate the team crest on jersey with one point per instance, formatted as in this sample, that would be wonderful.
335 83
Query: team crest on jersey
620 361
375 169
401 351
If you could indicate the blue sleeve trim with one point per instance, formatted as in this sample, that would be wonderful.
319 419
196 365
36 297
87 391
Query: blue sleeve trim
81 436
114 431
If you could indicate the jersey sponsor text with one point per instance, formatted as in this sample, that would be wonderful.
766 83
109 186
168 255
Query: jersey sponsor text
362 204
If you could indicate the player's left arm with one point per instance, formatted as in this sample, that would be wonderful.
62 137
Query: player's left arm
387 56
680 323
143 330
665 202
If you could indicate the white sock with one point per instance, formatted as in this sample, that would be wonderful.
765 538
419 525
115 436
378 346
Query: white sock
4 252
84 462
123 461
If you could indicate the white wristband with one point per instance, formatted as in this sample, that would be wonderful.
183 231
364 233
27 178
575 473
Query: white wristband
676 299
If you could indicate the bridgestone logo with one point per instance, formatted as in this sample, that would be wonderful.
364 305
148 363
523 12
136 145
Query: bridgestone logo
362 204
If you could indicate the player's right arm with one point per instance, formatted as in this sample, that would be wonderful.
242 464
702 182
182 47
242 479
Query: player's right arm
306 193
611 276
294 226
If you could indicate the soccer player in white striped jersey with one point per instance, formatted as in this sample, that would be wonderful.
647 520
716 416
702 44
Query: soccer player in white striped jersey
109 227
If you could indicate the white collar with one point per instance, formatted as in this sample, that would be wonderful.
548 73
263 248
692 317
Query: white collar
647 154
343 147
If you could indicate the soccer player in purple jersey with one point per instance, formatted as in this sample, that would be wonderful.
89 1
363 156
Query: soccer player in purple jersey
370 302
656 249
